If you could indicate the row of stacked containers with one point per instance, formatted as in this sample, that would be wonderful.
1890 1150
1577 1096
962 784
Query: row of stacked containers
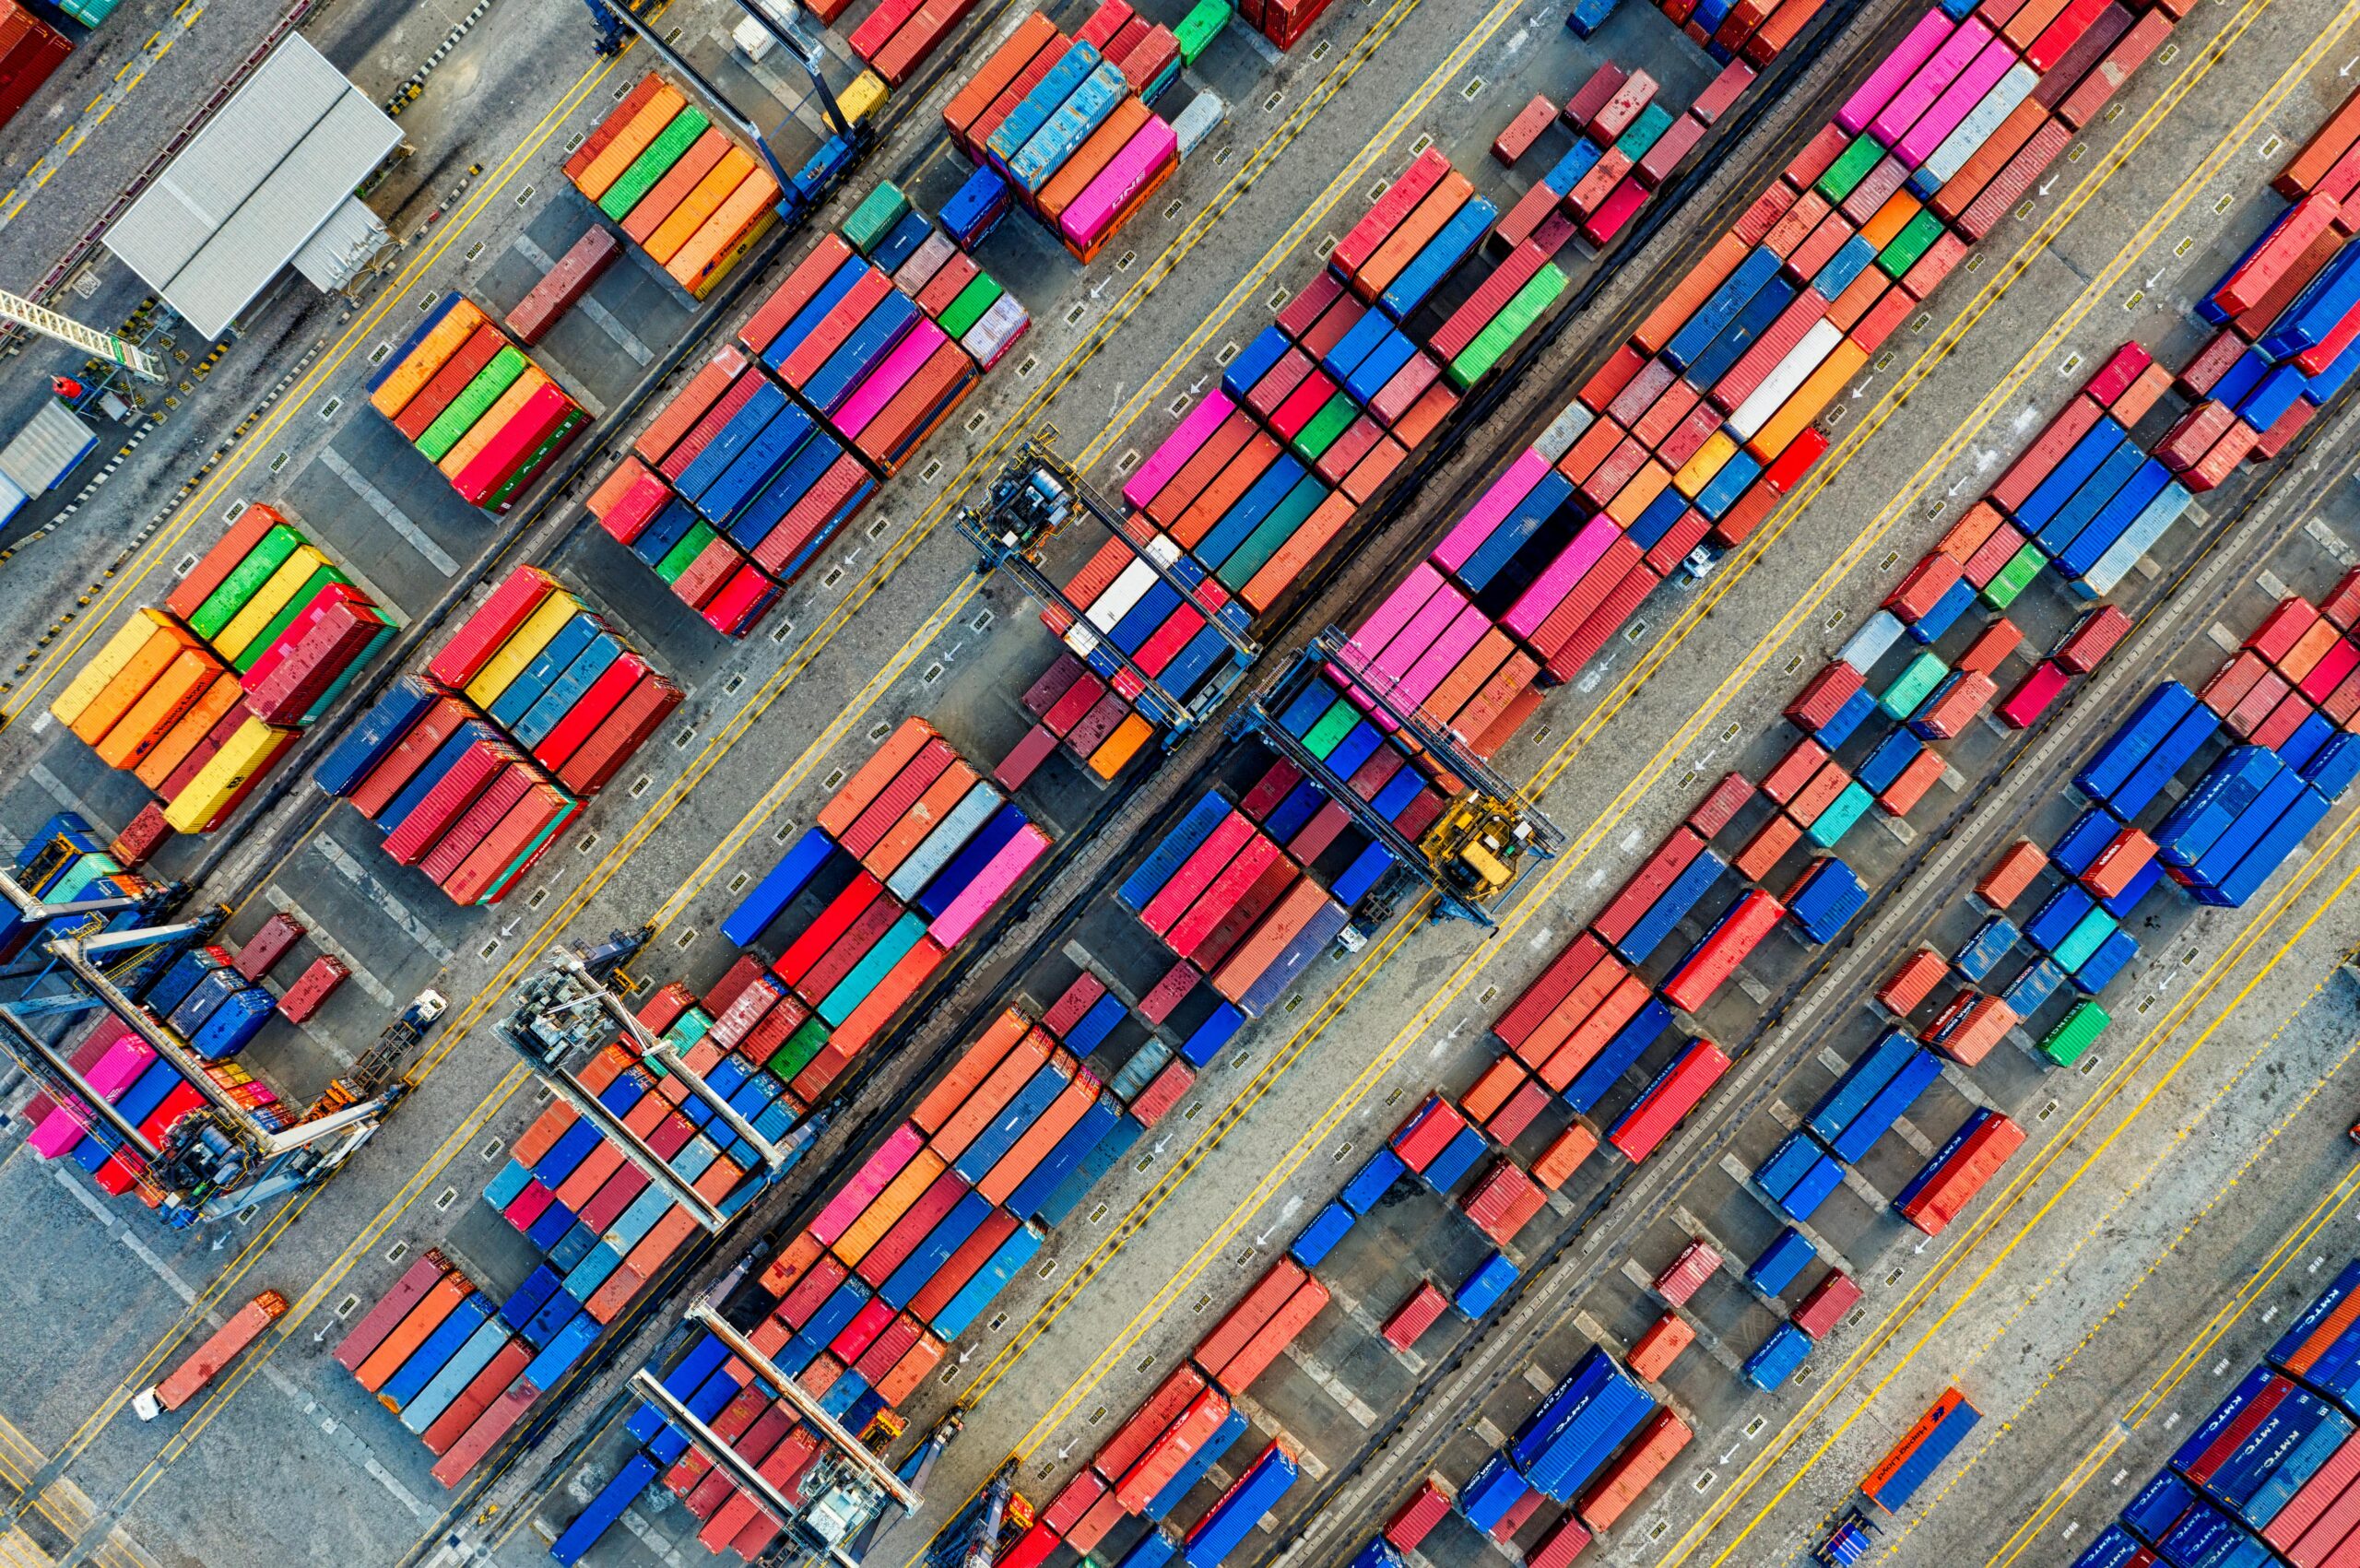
199 697
475 405
2273 1474
2091 54
1313 415
859 1298
677 185
1057 126
762 455
472 768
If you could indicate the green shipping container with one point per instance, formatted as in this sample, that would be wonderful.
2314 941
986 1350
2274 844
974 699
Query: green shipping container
800 1048
1644 132
964 312
1273 531
90 12
2075 1033
2014 577
1332 420
286 617
1850 168
670 143
1516 319
1917 237
853 989
470 405
1333 726
1911 687
2086 936
1841 814
692 543
221 605
1199 28
874 217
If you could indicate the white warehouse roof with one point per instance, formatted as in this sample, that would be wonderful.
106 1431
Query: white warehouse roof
253 187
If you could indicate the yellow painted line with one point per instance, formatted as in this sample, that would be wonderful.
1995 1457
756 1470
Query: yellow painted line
2018 1190
1544 887
2181 1366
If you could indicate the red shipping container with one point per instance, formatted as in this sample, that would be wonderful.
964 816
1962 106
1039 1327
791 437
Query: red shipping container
1694 984
1822 697
1414 1316
1633 1470
1963 1175
1927 582
1247 1318
1563 1542
1911 983
1272 1338
1655 1351
1685 1273
1722 805
1647 883
2092 639
1819 1312
1416 1518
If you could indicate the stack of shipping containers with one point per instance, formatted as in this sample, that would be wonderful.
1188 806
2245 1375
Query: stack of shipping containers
474 767
475 405
200 698
683 192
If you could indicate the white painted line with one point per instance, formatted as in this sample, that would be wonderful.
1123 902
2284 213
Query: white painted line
436 557
375 892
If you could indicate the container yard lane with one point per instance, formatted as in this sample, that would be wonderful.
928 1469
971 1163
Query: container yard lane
2229 137
365 903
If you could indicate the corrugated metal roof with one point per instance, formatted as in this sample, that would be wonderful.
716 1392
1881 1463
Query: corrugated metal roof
53 441
263 175
344 244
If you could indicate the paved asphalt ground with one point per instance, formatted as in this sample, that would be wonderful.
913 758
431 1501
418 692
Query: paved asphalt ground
2216 1134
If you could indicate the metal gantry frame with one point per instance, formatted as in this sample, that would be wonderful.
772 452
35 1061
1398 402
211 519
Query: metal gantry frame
569 1012
1413 734
614 18
1030 502
256 1161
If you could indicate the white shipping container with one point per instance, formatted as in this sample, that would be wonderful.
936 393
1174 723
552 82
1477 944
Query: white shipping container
1780 384
1130 585
1970 133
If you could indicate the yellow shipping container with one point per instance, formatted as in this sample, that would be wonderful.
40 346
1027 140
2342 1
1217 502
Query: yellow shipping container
1698 471
870 1227
723 242
215 789
864 97
434 351
160 707
495 419
1817 391
522 648
105 664
629 142
138 673
702 202
194 725
269 600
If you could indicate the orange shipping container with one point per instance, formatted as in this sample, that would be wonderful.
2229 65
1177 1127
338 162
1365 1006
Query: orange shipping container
143 669
873 1221
1091 159
207 711
1227 490
1034 33
696 206
970 1070
1008 1173
441 1300
1425 220
161 707
1660 1346
392 394
873 775
1628 1478
732 232
886 856
631 141
1012 1073
665 197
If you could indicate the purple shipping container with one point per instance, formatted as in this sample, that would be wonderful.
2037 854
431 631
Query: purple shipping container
1958 102
1178 448
1557 580
1490 510
1887 78
999 873
868 1181
1933 78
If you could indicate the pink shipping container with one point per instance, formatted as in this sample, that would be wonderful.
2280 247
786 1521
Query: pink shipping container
1818 1313
871 1179
1178 447
1002 872
878 386
1491 508
1929 81
1559 578
1957 100
1870 98
1092 213
2030 699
